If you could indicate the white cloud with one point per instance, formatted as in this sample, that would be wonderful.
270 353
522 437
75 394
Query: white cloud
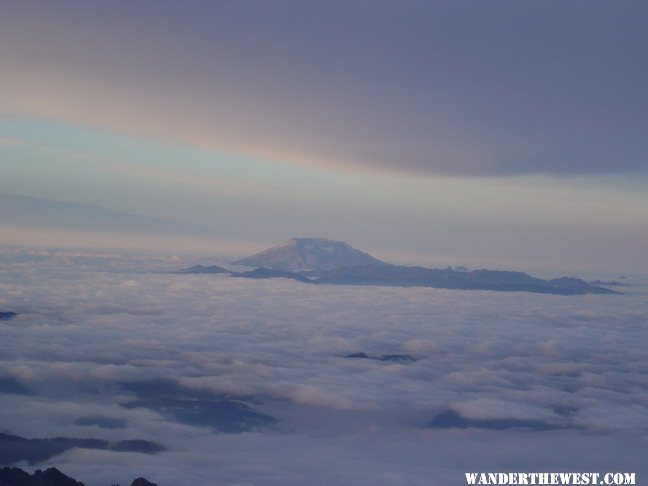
89 323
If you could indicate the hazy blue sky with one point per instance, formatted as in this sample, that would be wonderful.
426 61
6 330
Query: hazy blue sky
499 133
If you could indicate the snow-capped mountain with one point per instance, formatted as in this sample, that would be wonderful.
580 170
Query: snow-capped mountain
310 254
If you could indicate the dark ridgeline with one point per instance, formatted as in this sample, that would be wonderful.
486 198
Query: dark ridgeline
203 269
321 261
9 384
137 445
6 315
50 477
14 449
226 416
393 358
611 283
142 482
401 276
13 476
221 413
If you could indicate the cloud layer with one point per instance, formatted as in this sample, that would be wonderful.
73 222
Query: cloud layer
93 330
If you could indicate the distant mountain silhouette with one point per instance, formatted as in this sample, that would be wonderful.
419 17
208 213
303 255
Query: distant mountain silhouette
26 211
14 448
5 316
610 283
10 385
195 407
13 476
204 269
321 261
394 358
309 254
400 276
142 482
137 445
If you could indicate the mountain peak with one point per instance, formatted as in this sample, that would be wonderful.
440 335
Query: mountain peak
315 244
309 254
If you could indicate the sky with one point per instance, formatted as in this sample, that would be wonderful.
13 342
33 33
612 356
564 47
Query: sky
507 134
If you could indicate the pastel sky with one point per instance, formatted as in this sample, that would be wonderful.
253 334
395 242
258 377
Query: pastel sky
508 134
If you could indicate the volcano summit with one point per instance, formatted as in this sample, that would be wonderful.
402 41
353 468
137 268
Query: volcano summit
310 254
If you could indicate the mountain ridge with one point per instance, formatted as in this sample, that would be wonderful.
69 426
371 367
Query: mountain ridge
295 258
29 211
498 280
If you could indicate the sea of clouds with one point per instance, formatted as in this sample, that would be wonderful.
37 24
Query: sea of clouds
94 330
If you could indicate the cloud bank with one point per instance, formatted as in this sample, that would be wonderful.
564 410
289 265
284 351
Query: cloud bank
532 382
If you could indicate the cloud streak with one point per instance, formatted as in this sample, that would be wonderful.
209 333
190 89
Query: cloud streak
443 88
